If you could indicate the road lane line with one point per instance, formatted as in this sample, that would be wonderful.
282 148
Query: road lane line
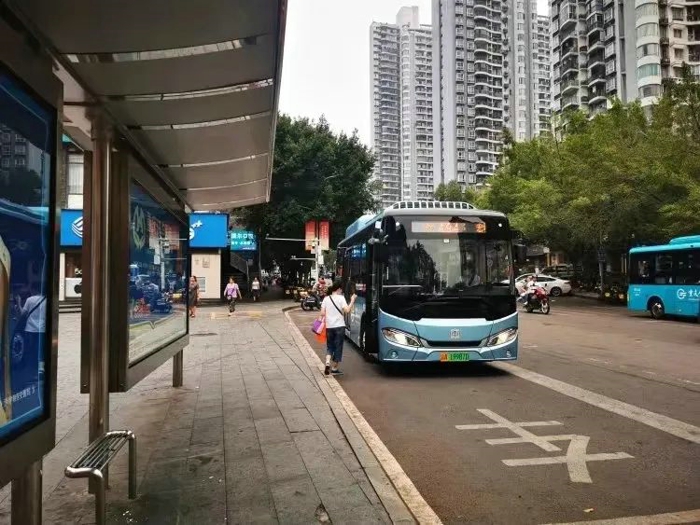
670 518
659 421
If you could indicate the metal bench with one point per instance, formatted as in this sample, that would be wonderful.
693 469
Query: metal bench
96 458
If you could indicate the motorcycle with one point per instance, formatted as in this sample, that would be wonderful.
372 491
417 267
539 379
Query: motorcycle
539 300
162 304
311 301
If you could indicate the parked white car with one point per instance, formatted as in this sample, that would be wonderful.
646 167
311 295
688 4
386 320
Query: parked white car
554 286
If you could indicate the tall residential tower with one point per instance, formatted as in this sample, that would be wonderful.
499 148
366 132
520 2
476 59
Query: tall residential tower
487 75
402 113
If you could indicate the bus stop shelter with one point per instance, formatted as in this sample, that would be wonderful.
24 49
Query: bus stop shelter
177 99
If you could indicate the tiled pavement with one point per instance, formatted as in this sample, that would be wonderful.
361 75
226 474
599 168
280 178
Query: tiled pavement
253 436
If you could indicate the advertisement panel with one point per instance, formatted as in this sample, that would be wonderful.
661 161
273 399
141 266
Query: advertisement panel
310 234
208 230
27 134
157 276
243 241
324 235
71 227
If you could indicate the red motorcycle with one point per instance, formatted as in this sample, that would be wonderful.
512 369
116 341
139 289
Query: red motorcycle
538 300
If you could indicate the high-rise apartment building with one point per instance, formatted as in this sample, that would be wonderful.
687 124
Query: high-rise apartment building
605 49
402 115
487 64
386 109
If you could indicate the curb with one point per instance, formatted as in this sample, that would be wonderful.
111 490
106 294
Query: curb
398 494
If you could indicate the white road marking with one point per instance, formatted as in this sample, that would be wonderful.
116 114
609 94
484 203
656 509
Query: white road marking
575 459
658 421
516 428
576 456
670 518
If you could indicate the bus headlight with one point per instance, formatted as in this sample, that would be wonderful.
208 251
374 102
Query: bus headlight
400 338
502 337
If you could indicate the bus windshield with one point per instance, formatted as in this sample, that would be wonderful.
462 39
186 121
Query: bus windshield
426 258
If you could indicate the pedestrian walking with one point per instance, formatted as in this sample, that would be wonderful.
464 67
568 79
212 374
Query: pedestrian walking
232 294
333 310
255 286
193 296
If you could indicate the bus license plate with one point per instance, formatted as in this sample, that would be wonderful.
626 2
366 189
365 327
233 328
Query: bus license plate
454 356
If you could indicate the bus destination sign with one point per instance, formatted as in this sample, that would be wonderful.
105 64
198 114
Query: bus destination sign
447 227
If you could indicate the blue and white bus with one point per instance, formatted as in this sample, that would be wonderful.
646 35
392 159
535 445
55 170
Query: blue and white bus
666 279
434 282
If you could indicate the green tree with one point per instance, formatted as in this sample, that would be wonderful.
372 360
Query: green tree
317 175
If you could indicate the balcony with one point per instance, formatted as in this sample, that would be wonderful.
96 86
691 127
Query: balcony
593 24
570 86
594 7
596 79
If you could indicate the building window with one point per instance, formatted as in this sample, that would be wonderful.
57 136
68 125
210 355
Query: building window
648 49
646 10
5 162
647 30
650 91
678 53
677 13
648 70
677 33
20 161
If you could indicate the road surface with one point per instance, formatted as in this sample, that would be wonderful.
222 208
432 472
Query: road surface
598 419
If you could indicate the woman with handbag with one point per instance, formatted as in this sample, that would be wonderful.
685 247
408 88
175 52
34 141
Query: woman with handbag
333 310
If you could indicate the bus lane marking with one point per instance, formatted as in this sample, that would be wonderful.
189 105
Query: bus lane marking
666 424
669 518
576 457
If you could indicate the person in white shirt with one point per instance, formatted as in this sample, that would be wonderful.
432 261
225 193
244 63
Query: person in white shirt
255 286
333 310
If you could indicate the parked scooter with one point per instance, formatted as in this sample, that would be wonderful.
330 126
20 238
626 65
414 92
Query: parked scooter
311 301
538 301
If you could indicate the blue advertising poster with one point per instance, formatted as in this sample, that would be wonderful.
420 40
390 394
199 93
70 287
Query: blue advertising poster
208 230
27 139
71 227
243 240
157 275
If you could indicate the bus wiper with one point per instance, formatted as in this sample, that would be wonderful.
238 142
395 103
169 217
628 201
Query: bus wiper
399 287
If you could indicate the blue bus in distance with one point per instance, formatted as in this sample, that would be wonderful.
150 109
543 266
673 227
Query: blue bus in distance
665 279
434 282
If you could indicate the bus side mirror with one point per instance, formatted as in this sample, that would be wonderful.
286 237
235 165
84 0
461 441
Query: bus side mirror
520 253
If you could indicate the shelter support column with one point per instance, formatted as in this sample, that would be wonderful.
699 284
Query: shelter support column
26 504
96 261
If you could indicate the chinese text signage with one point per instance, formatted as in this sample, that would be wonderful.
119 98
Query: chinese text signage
243 240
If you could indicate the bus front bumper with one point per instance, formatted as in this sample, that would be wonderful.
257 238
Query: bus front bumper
392 352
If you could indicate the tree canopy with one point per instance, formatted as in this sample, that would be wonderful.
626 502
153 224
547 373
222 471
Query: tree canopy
317 175
621 178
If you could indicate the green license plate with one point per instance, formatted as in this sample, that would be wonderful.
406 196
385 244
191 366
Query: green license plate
446 357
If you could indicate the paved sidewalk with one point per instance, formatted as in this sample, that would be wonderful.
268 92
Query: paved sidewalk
254 436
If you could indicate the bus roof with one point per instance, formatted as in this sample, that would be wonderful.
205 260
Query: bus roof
402 208
679 243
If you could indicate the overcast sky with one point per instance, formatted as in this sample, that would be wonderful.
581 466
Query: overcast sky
326 58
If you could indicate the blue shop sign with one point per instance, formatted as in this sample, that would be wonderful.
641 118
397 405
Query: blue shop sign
208 230
243 240
71 227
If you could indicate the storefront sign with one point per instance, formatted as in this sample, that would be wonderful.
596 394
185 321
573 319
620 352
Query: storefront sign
243 240
310 234
324 235
208 230
71 227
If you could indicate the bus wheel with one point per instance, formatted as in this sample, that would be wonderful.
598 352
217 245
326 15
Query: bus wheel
656 308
